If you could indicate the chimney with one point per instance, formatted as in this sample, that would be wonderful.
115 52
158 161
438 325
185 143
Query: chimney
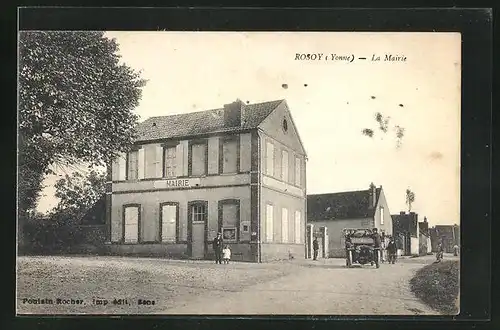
425 219
232 113
373 195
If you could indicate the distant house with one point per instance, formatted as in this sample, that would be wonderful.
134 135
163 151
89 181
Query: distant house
350 209
448 234
424 237
406 232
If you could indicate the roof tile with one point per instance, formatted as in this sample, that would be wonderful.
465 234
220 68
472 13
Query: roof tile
342 205
202 122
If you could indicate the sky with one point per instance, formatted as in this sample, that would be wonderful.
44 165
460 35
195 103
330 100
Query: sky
331 102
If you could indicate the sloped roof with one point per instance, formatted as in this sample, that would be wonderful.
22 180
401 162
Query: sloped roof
202 122
342 205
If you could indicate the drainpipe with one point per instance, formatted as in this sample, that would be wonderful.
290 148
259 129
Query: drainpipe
304 176
259 191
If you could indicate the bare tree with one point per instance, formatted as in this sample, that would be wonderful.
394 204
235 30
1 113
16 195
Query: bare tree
410 198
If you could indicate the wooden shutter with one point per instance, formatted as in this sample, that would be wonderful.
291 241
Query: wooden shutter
131 234
169 220
180 159
298 227
122 167
284 225
115 169
269 223
140 166
159 162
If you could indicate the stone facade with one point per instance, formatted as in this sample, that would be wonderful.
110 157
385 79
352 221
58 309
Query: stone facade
173 193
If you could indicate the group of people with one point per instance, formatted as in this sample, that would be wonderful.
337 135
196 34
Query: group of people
391 247
222 252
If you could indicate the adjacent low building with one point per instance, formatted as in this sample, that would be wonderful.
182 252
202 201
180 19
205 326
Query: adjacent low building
412 237
351 209
425 246
406 232
448 234
239 170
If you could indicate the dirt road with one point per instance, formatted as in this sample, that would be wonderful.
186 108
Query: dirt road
323 287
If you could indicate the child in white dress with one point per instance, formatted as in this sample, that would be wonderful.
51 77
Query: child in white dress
226 254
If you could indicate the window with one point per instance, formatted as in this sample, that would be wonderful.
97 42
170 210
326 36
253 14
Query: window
229 221
297 172
131 224
198 159
168 224
284 225
381 215
229 156
269 223
298 227
270 159
284 165
132 165
170 162
198 212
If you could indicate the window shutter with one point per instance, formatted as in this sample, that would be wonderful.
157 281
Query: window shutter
284 225
159 161
298 227
122 167
140 166
115 169
180 159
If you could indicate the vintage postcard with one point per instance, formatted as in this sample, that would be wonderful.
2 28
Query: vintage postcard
238 173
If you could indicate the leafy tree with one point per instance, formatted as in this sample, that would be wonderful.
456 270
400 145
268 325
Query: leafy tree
410 198
77 194
75 105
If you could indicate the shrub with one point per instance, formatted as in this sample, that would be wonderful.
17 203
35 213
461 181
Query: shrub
438 285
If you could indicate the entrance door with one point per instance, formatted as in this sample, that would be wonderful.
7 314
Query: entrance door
197 217
198 241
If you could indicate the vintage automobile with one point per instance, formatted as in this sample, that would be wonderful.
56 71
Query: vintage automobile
360 247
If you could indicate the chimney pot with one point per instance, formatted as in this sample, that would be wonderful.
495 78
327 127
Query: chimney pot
232 113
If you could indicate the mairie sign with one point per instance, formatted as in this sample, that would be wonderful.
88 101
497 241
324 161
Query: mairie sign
177 183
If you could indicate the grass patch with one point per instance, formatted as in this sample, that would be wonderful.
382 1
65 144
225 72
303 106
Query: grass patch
437 285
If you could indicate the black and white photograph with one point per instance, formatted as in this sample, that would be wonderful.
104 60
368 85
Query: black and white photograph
238 173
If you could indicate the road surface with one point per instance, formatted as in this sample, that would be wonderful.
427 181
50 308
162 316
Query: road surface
323 287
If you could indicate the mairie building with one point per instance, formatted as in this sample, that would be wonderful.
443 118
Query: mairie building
239 170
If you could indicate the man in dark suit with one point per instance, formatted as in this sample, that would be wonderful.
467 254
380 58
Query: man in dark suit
315 248
377 241
392 250
217 245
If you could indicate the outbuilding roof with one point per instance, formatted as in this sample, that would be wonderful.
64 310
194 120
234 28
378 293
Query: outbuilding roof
341 205
203 122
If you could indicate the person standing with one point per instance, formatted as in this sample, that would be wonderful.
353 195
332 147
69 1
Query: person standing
455 250
392 250
377 242
226 254
217 245
315 248
440 252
